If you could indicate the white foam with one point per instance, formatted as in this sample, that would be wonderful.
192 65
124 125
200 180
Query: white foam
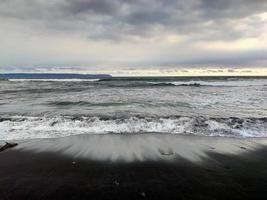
54 80
44 127
231 83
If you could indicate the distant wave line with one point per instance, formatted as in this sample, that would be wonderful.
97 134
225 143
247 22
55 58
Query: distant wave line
55 80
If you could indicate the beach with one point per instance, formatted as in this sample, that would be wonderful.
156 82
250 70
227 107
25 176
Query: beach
129 100
133 138
139 166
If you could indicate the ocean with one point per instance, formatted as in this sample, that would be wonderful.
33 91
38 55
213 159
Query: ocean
202 106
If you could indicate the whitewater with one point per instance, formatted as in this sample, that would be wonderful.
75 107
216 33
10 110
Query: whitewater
201 106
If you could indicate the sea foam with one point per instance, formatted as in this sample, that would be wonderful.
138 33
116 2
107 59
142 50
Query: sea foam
52 127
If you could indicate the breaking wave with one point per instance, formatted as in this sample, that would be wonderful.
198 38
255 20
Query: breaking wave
89 104
54 80
20 127
211 83
153 82
192 83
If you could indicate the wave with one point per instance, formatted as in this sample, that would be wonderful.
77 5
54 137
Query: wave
86 103
193 84
107 104
53 80
188 83
155 82
148 84
20 127
184 78
212 83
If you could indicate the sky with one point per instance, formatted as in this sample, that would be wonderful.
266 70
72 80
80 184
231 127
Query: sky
134 37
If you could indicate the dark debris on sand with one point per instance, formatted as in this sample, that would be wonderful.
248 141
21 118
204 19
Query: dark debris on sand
7 146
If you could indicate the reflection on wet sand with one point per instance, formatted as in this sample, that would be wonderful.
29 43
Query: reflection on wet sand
140 147
134 167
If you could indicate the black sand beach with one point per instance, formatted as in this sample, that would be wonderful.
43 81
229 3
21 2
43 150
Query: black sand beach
36 169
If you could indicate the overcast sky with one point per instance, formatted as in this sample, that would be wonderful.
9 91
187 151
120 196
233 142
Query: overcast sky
112 34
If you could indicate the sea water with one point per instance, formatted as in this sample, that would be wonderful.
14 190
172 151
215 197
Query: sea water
204 106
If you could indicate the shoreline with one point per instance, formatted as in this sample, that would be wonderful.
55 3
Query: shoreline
139 147
135 167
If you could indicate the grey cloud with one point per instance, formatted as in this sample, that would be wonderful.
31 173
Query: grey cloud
133 21
105 7
123 19
232 8
229 58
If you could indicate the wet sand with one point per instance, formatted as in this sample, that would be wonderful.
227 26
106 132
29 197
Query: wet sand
146 166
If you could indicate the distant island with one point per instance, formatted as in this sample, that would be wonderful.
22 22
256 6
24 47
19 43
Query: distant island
5 76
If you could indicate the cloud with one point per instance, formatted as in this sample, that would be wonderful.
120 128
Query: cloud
166 26
104 19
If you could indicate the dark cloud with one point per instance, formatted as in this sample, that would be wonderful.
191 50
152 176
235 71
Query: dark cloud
32 31
232 8
123 19
103 7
